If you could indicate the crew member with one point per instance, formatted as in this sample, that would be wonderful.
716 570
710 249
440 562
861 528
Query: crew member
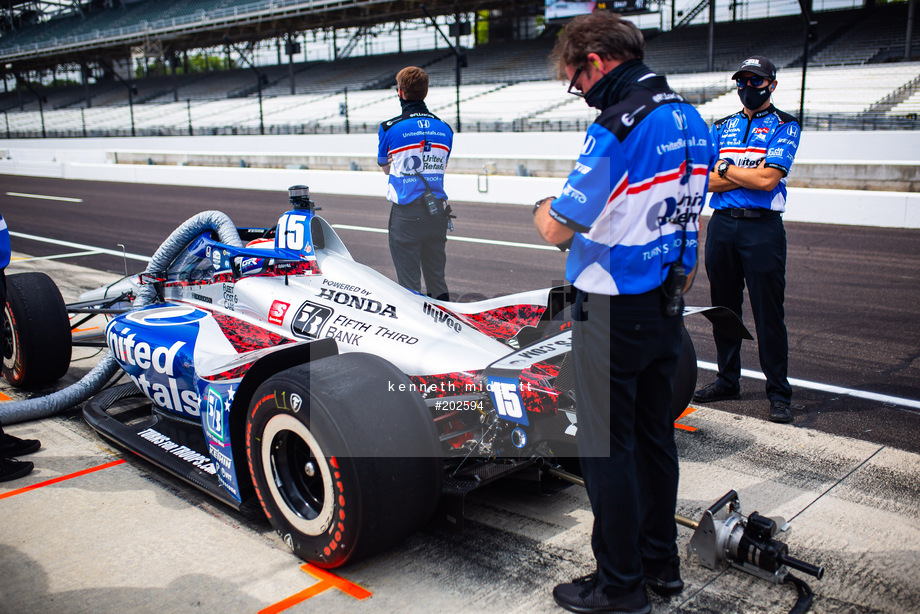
413 149
10 468
745 239
630 212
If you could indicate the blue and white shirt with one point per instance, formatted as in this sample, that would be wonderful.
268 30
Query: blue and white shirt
6 251
636 193
412 143
771 135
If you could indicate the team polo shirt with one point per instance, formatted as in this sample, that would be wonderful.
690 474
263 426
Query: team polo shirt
5 248
772 136
414 143
636 192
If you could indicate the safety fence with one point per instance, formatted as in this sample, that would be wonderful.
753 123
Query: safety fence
82 129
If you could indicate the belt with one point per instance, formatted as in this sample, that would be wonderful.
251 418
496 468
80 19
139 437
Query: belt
418 202
746 213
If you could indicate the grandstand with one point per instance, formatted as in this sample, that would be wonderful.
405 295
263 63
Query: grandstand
855 78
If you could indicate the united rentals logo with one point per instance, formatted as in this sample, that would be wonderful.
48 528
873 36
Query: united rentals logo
153 368
671 211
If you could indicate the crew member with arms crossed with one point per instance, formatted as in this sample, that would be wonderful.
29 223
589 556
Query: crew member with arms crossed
630 211
745 239
413 149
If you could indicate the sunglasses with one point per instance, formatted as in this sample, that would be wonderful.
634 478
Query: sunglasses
574 91
755 81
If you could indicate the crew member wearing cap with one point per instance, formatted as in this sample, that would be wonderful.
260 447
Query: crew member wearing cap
745 238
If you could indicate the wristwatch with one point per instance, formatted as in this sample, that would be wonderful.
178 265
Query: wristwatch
723 168
537 204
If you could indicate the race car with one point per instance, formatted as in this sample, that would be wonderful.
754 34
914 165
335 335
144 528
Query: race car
271 370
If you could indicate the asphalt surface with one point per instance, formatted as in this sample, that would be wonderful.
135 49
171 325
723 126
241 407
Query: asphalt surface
851 302
94 529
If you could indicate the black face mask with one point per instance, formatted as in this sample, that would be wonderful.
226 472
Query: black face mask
612 87
753 97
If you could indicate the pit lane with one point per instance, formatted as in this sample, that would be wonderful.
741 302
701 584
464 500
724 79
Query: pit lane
851 294
127 538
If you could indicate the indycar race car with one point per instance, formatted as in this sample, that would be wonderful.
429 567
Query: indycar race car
274 372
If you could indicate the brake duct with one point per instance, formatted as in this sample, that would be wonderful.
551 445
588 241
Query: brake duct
91 383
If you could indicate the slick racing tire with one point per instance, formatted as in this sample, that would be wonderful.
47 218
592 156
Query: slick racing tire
36 331
344 463
685 380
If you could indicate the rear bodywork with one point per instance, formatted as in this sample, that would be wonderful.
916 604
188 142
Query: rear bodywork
496 374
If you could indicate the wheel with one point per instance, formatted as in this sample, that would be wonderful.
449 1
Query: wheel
344 463
36 331
685 380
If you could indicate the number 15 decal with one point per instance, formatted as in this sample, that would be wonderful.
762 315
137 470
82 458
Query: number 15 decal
294 232
507 399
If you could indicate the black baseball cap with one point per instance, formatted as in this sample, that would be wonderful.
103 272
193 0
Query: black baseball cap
758 65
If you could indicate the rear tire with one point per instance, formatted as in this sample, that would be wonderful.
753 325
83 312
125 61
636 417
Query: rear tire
36 331
685 380
344 464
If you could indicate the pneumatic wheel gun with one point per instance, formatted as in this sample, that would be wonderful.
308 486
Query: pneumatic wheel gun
724 537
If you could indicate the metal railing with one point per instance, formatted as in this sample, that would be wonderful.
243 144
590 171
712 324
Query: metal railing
815 122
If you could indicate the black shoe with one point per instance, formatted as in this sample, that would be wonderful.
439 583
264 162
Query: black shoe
780 412
663 578
585 596
716 392
12 469
14 446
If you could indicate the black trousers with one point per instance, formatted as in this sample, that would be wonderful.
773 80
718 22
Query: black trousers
751 252
626 354
2 320
418 241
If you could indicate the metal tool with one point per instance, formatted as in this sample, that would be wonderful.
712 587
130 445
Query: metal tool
724 537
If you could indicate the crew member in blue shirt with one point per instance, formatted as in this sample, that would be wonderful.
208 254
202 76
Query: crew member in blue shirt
745 239
413 149
630 212
10 468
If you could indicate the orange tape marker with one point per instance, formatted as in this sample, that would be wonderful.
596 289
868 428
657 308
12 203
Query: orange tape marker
60 479
83 330
3 397
326 581
684 427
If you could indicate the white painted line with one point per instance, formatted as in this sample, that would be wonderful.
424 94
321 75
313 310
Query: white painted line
504 243
362 228
44 197
801 383
98 250
464 239
59 256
